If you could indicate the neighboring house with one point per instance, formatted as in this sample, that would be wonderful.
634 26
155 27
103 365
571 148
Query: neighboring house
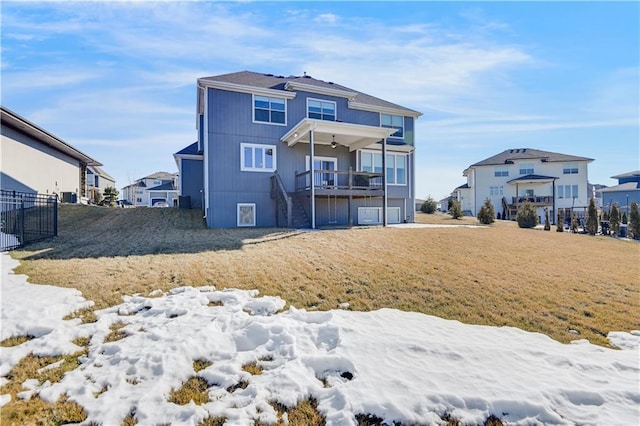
157 189
299 152
547 179
36 161
97 181
624 193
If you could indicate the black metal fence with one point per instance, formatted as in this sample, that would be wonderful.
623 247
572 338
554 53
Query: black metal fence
26 218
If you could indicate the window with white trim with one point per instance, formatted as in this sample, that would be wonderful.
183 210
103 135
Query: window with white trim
570 169
257 157
393 122
371 162
526 168
568 191
501 171
321 110
246 214
267 109
496 190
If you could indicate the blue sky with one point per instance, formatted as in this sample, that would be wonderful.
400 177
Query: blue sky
117 79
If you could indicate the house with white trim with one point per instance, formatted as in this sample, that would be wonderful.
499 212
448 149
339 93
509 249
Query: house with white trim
548 180
97 181
157 189
297 152
624 193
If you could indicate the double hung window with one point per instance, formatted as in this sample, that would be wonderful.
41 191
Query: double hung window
393 122
526 168
321 110
570 169
267 109
501 171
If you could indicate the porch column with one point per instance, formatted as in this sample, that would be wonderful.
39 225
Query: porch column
554 213
313 183
384 182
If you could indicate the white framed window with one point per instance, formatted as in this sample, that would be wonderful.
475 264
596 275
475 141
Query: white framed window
526 168
371 162
257 157
569 191
570 169
393 122
157 182
496 190
321 110
267 109
501 171
246 214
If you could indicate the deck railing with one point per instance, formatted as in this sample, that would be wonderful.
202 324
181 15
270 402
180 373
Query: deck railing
536 199
339 179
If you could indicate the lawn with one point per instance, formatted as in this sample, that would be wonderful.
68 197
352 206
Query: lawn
567 286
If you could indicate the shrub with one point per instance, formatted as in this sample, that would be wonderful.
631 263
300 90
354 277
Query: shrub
547 225
456 210
624 218
429 206
527 216
559 224
574 223
487 214
592 217
614 219
634 221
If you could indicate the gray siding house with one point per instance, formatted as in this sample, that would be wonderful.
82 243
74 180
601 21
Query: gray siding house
297 152
624 193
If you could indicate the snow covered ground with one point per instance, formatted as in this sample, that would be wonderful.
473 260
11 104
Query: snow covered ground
398 366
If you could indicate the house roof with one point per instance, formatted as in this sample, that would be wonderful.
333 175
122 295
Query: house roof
167 186
629 186
532 179
21 124
189 150
100 172
635 173
510 155
357 100
160 176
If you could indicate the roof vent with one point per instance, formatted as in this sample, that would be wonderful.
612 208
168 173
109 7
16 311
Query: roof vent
269 75
510 151
524 150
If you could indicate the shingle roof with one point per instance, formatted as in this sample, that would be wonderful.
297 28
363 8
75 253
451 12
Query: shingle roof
529 178
160 175
189 150
270 81
635 173
167 186
511 155
629 186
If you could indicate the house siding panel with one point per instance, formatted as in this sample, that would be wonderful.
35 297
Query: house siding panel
39 168
192 176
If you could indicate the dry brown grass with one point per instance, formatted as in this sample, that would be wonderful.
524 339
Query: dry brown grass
497 275
194 389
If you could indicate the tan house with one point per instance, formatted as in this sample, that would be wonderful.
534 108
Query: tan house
35 161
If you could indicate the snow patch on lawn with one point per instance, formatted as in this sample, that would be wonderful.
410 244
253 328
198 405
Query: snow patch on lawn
399 366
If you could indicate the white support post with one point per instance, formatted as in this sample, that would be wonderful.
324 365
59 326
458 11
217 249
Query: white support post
313 178
384 182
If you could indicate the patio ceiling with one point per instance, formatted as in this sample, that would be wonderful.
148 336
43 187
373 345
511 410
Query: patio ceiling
353 136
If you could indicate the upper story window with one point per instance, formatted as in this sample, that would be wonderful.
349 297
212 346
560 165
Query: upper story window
501 171
526 168
257 158
570 169
157 182
321 110
393 122
267 109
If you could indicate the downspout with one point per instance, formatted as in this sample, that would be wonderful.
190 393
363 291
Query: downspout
384 182
553 205
313 183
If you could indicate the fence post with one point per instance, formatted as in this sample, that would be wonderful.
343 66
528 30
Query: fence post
21 221
55 217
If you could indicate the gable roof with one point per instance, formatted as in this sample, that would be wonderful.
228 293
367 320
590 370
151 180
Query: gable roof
189 150
635 173
357 100
166 186
510 155
160 176
24 126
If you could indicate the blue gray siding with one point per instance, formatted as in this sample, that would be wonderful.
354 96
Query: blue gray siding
230 123
192 181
